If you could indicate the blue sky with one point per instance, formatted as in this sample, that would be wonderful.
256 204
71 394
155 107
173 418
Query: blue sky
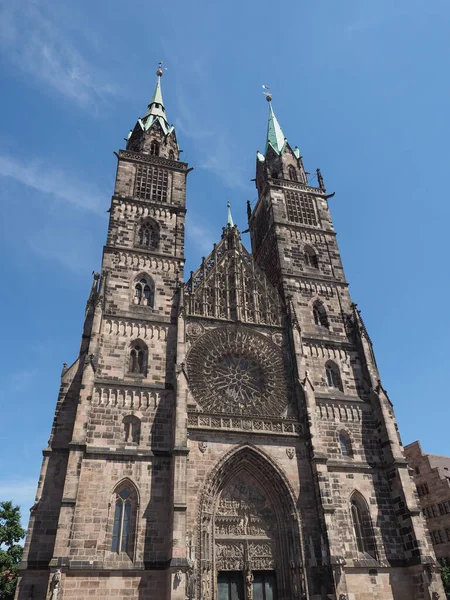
361 87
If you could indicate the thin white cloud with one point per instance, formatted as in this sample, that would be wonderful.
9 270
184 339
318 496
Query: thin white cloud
73 247
199 234
19 491
37 175
39 46
214 145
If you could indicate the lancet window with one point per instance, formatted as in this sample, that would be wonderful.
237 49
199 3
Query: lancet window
144 292
138 358
345 444
292 173
320 315
131 429
333 375
311 259
362 525
148 234
154 148
124 523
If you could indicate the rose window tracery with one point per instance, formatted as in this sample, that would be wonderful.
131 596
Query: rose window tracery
236 370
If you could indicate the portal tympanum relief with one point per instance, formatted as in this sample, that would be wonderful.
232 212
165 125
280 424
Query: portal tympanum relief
247 532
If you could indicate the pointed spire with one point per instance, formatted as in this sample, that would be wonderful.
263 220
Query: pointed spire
155 110
156 106
230 222
275 136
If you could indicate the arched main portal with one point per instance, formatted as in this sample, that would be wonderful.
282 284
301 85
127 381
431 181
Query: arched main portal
249 539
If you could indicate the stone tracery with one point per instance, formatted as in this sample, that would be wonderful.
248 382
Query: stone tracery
229 285
239 371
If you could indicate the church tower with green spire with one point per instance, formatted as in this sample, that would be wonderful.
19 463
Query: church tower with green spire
226 436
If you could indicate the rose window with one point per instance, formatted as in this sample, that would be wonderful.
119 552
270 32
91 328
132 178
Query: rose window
237 371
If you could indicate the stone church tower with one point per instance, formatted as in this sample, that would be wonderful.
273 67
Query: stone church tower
227 438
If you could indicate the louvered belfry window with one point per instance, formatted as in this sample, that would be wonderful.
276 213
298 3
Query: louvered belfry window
151 183
300 208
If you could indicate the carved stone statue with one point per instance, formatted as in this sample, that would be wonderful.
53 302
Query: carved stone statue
191 580
205 584
249 585
55 584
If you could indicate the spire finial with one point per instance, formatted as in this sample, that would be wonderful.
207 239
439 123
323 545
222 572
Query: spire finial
230 222
267 93
159 72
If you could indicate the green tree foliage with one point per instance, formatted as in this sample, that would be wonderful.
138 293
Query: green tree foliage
445 574
11 533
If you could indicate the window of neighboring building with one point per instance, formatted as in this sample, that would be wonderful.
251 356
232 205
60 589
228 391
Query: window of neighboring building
422 489
447 533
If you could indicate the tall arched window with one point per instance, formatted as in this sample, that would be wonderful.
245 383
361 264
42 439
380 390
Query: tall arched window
131 429
154 148
148 235
333 376
144 292
138 358
292 173
171 155
345 444
320 314
362 525
124 525
311 258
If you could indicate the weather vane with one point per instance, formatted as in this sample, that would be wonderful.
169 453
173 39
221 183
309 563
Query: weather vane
267 93
159 72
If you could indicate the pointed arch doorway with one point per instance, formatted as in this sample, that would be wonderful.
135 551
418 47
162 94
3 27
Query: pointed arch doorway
249 539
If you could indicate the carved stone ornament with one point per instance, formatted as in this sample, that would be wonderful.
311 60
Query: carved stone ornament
236 370
290 453
277 338
202 446
194 329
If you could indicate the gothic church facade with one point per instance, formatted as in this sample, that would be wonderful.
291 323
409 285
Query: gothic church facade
228 437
